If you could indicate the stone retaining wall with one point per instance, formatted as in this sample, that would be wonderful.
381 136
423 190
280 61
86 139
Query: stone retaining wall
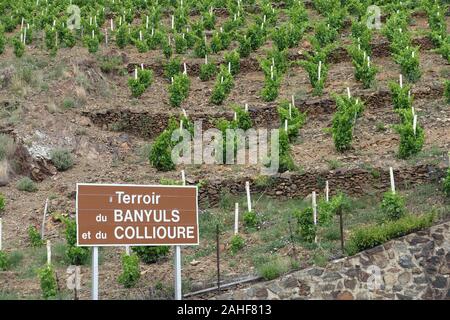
150 125
416 266
353 182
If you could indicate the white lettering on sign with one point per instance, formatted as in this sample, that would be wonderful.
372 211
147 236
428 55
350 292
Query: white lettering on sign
146 215
123 198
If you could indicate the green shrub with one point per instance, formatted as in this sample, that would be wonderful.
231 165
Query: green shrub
141 83
311 66
256 36
305 221
122 37
35 237
400 96
92 44
233 59
26 184
209 20
74 255
223 85
250 219
180 43
19 47
136 87
2 42
2 203
207 71
362 34
393 206
172 68
367 237
201 48
243 121
409 62
62 159
4 263
166 48
446 184
444 49
348 110
295 118
130 271
410 143
327 210
161 152
365 71
179 89
111 64
272 269
447 90
151 254
47 279
236 243
216 43
245 47
270 89
325 34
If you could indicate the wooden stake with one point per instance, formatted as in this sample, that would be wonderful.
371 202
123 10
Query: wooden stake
327 191
401 81
1 226
49 253
236 218
43 219
183 177
415 124
249 201
218 257
314 205
391 173
319 71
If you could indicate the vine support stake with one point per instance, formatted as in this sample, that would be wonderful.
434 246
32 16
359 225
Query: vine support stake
43 219
49 253
236 218
391 174
218 257
1 225
314 205
249 201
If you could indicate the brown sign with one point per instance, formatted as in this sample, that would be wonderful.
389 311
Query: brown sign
114 215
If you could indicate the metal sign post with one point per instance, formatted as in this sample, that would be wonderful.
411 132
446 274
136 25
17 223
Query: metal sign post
94 293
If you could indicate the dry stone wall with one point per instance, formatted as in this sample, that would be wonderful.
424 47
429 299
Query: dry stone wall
353 182
416 266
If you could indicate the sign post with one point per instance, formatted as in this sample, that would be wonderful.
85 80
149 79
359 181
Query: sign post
136 215
94 293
